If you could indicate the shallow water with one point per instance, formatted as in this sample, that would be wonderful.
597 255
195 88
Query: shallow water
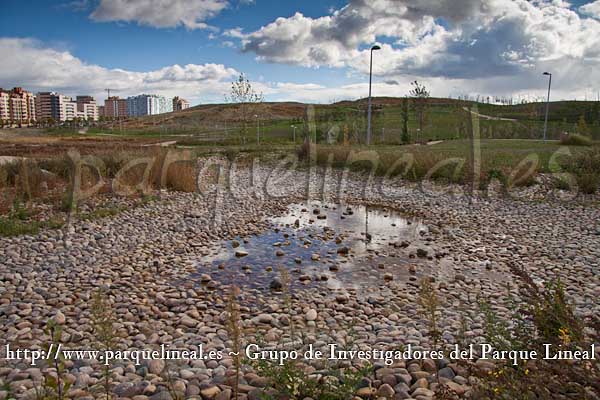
310 243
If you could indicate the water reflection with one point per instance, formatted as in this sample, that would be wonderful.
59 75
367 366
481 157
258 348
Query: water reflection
348 247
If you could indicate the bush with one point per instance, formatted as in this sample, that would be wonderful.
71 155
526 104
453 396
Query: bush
588 183
575 139
586 168
181 176
543 316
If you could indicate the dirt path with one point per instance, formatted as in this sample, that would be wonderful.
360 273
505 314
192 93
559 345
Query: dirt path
489 117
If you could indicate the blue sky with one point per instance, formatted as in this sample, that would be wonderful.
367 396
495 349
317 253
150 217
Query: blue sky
298 50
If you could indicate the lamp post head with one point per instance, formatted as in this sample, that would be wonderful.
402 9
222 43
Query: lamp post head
547 73
376 47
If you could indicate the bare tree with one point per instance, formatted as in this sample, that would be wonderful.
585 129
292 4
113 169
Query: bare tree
420 95
243 94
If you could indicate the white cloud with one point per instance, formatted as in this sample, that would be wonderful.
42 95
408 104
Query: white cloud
432 38
39 68
591 9
191 14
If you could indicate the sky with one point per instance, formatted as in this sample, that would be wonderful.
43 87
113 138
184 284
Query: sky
302 50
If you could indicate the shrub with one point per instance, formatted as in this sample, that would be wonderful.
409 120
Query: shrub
588 183
181 176
586 168
575 139
543 316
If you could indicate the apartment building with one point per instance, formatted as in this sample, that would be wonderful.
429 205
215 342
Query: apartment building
58 107
87 108
148 104
180 104
4 106
114 107
48 106
17 106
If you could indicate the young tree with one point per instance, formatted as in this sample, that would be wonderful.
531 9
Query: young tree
405 114
419 94
243 94
582 127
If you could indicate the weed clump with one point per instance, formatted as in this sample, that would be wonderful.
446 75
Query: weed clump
575 139
544 317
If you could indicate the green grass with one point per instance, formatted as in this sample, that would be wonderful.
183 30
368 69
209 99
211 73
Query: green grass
446 119
102 212
12 225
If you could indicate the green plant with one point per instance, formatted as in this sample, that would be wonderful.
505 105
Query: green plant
291 380
103 319
235 333
542 317
429 302
54 386
13 227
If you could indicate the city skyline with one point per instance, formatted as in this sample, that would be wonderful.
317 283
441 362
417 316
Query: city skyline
311 52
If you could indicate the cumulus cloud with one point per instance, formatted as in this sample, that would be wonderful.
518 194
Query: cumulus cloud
591 9
432 38
191 14
39 68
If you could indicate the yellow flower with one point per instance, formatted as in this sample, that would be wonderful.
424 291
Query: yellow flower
564 335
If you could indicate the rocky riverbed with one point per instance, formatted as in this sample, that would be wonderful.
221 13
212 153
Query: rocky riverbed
157 265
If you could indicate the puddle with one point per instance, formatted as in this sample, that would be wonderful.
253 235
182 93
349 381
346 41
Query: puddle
340 247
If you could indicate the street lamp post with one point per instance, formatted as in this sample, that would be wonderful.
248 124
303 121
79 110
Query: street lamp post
294 127
547 104
370 81
257 129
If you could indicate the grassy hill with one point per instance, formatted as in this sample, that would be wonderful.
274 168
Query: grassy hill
445 119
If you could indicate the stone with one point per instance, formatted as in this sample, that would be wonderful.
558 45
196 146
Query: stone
241 253
386 391
446 372
311 315
343 250
276 284
421 253
366 392
210 392
59 318
156 366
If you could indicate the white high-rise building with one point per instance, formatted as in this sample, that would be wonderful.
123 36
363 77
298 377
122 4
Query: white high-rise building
148 104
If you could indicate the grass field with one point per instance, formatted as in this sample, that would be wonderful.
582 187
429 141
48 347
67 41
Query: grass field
445 119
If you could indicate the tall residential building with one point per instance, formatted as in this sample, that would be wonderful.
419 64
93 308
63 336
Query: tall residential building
148 104
87 108
114 107
180 104
4 104
17 106
55 106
